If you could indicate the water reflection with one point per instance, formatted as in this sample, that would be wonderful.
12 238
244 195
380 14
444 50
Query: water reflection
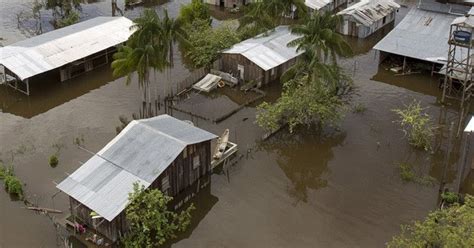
48 92
304 158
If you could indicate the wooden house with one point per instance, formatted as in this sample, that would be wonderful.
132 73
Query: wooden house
161 153
367 16
228 3
66 52
262 59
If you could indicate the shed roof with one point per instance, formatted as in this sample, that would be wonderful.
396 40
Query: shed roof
421 35
54 49
317 4
268 51
366 12
140 153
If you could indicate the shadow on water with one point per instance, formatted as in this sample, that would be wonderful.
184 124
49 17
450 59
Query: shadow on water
47 92
203 202
305 172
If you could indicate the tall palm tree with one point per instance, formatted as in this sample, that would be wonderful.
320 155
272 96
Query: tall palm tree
322 46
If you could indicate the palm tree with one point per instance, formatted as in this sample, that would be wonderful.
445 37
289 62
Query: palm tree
320 43
143 53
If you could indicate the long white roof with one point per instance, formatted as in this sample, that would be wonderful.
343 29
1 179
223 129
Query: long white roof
366 12
317 4
421 35
268 50
139 154
54 49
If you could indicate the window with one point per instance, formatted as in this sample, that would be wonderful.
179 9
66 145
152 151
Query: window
185 153
384 20
196 162
272 72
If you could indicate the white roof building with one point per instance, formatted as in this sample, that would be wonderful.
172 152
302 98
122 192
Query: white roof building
54 49
268 50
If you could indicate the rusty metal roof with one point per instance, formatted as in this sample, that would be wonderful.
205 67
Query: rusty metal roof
54 49
139 154
367 12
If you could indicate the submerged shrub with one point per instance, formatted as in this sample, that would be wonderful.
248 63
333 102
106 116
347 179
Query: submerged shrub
416 125
53 161
11 182
407 174
450 197
359 108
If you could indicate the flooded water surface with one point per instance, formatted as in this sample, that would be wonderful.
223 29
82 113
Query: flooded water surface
336 187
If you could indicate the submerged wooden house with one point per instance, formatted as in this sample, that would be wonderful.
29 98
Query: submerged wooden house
66 52
161 153
262 59
326 5
367 16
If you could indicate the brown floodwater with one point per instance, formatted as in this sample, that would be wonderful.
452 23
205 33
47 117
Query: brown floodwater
336 187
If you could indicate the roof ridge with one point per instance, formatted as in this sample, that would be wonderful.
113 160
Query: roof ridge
162 133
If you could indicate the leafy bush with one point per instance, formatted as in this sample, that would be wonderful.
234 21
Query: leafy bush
71 18
416 124
450 197
359 108
53 160
11 182
407 174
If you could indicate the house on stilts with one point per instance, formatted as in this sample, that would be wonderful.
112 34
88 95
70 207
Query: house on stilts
422 36
161 153
261 59
367 16
66 52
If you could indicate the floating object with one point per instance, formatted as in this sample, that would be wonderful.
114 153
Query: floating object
208 83
221 144
45 210
221 84
230 150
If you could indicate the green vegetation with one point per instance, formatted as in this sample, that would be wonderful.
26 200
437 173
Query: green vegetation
312 88
71 18
450 197
416 124
65 12
407 174
196 10
205 42
151 223
448 227
53 160
264 15
359 108
12 184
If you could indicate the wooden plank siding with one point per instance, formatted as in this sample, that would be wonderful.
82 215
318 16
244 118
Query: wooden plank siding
189 172
252 72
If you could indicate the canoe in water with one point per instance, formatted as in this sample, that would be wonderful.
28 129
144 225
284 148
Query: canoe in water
221 144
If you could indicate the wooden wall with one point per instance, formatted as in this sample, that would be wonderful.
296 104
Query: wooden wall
186 175
229 63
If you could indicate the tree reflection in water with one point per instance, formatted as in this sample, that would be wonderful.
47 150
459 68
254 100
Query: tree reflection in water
304 157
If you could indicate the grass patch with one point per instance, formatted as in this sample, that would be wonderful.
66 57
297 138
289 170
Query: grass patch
359 108
11 183
407 174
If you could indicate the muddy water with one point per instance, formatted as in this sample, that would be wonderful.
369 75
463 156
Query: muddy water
337 187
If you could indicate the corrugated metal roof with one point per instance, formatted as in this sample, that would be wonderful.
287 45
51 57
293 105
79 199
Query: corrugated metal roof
421 35
140 153
54 49
317 4
366 12
268 51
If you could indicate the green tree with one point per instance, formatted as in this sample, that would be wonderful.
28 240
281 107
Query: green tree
64 11
151 223
206 43
448 227
145 51
196 10
312 89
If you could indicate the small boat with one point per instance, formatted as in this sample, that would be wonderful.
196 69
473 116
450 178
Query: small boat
221 144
